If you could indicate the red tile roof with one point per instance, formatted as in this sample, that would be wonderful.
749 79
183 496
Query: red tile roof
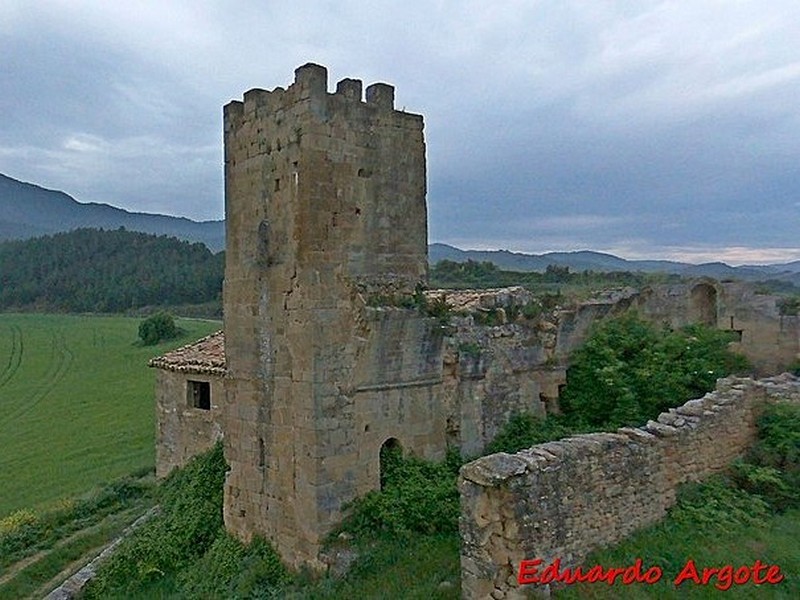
205 356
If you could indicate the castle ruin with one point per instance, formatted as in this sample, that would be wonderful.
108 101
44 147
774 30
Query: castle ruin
321 366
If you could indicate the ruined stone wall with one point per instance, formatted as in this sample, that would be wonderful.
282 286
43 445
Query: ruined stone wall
396 393
495 373
325 211
768 339
574 325
563 499
183 430
484 375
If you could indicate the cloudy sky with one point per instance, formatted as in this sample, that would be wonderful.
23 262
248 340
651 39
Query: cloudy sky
643 128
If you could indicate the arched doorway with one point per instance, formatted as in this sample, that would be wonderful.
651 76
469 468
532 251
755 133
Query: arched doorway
390 456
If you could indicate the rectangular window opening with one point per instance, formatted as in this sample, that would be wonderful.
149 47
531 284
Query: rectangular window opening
199 394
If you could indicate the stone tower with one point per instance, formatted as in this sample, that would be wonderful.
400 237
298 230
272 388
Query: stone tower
325 213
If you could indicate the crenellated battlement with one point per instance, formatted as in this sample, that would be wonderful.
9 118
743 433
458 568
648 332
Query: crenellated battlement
350 89
310 88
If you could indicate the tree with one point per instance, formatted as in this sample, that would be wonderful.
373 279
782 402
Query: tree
158 327
557 273
629 371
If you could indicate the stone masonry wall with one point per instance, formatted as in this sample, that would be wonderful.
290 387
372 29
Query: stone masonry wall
770 341
563 499
184 431
495 373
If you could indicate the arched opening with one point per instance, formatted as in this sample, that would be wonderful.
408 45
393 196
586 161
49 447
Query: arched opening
703 305
390 456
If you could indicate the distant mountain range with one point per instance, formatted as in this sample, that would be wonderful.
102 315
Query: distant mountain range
598 261
27 210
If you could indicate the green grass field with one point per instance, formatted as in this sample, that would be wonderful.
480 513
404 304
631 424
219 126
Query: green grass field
671 545
76 403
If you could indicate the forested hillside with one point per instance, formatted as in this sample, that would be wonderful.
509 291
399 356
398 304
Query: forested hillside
92 270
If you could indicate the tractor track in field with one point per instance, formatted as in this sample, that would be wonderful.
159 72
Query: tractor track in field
60 363
15 358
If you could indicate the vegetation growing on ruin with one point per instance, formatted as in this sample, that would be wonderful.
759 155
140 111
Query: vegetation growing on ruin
789 306
185 550
417 496
525 430
438 308
771 469
405 538
628 371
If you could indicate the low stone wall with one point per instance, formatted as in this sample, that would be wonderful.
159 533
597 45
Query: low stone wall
73 586
564 499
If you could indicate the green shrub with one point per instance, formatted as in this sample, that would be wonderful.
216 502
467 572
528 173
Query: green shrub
261 573
789 306
532 310
160 326
417 496
628 371
717 505
189 523
472 349
771 468
488 317
524 430
186 551
779 436
231 569
438 308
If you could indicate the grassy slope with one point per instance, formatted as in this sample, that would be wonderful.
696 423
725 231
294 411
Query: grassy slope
76 403
670 545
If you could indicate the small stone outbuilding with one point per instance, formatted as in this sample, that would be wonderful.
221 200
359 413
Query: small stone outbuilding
189 395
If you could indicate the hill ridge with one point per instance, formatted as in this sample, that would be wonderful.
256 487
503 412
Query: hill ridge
591 260
30 210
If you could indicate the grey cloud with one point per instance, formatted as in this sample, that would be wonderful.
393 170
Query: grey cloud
570 124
